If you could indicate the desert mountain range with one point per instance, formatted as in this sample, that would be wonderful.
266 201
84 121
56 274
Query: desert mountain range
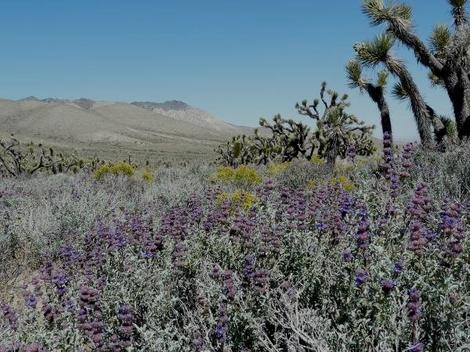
172 129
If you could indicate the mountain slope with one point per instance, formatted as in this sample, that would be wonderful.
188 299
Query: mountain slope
171 129
181 111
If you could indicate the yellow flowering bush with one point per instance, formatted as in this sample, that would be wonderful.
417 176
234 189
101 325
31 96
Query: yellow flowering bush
317 160
148 175
238 198
344 182
241 175
341 181
311 185
277 168
101 171
119 168
224 174
122 168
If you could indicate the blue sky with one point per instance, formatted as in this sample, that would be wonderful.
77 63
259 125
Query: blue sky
239 59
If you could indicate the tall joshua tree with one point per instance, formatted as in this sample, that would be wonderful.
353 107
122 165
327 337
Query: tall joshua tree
378 51
447 58
375 91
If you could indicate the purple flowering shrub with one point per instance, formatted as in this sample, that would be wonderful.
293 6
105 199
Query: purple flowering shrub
383 266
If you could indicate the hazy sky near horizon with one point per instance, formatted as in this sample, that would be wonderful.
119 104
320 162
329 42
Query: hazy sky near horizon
239 59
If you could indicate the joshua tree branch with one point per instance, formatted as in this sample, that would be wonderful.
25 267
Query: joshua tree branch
5 165
38 166
322 97
413 42
310 113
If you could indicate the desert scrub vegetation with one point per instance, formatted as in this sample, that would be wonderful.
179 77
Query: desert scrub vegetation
148 175
188 264
28 159
125 169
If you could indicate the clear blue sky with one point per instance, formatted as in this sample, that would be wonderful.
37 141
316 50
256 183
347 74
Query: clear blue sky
238 59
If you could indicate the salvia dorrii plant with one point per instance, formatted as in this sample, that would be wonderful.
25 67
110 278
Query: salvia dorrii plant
318 268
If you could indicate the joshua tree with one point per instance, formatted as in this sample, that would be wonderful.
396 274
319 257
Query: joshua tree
17 159
263 148
336 130
378 51
448 57
376 92
289 137
286 140
236 151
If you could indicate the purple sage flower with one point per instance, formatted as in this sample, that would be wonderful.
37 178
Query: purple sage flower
418 347
398 268
361 277
414 305
10 316
348 256
388 285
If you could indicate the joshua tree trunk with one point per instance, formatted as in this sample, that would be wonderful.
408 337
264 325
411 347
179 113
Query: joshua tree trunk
458 89
458 60
331 157
418 105
454 76
332 154
440 131
376 93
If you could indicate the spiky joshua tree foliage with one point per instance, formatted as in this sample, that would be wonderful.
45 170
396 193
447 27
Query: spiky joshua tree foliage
447 56
236 151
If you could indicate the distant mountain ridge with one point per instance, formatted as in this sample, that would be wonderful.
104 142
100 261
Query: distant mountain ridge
170 128
166 106
149 105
